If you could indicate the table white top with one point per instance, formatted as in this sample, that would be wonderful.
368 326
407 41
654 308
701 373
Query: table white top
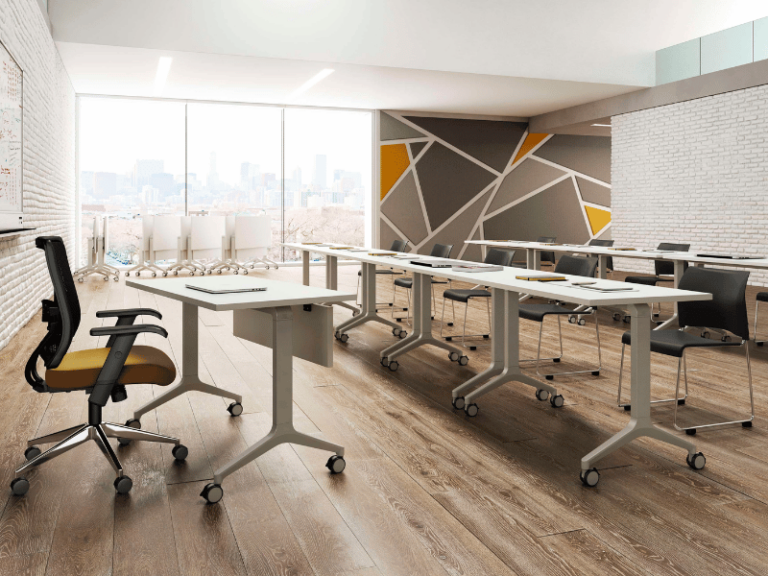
506 280
278 293
642 254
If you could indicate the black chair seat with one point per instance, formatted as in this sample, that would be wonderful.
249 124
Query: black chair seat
465 295
518 265
762 296
647 280
537 312
388 272
404 282
674 342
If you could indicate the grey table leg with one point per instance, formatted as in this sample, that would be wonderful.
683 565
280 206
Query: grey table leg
305 267
368 312
671 322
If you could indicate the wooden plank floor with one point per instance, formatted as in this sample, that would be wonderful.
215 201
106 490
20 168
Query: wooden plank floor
426 491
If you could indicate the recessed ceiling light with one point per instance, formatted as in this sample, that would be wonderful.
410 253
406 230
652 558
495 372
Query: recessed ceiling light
324 73
602 125
163 67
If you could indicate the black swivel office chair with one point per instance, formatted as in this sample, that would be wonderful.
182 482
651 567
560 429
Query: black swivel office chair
438 251
494 256
576 266
397 246
102 373
665 271
726 311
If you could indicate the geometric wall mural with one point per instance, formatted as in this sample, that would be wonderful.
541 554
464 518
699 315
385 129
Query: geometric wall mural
448 180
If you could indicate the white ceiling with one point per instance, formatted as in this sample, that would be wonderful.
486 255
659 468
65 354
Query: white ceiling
499 57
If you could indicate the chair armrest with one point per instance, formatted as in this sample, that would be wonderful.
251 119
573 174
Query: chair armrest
129 313
132 330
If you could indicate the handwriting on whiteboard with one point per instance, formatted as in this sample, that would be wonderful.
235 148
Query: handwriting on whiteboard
11 119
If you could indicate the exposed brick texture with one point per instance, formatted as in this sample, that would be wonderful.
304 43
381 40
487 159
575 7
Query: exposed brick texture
49 163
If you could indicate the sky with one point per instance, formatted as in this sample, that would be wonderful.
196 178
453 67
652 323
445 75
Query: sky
114 133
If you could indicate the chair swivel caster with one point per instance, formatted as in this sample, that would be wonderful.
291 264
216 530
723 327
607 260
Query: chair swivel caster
696 461
590 477
557 401
133 423
472 410
20 486
212 493
616 316
31 453
336 464
691 431
235 409
458 403
180 452
123 484
541 395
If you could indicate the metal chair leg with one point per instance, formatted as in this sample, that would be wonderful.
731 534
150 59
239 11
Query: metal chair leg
106 448
72 441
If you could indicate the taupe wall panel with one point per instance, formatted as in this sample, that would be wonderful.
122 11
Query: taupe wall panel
387 235
490 142
594 193
590 155
416 147
448 181
474 253
459 230
528 175
392 129
402 207
553 212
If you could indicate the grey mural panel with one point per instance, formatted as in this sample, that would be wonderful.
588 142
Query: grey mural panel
392 129
594 193
491 142
448 181
417 147
606 234
590 155
554 212
528 176
474 253
387 235
459 230
402 207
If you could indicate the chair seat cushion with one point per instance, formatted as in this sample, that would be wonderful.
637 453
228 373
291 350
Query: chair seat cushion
518 265
674 342
144 365
537 312
762 296
404 282
647 280
465 295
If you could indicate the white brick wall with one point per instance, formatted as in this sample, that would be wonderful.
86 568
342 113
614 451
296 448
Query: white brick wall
49 163
694 172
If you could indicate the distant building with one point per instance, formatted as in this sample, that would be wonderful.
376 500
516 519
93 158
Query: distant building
296 175
104 184
143 171
319 177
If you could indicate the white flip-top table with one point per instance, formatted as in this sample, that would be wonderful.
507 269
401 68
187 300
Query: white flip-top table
276 301
505 367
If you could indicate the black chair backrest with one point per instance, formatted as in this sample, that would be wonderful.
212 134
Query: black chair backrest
64 299
399 245
441 250
499 257
577 266
728 308
547 256
604 244
665 267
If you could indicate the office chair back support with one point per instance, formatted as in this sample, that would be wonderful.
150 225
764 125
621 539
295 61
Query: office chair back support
577 266
547 256
603 244
441 250
399 245
665 267
728 308
499 257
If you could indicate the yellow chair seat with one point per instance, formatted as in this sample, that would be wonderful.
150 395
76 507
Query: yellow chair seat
144 365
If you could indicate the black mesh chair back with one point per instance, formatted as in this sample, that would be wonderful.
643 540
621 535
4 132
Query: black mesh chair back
577 266
441 250
547 256
728 308
399 245
604 244
499 257
665 267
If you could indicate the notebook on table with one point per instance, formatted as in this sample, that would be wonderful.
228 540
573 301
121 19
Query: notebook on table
445 263
730 257
226 288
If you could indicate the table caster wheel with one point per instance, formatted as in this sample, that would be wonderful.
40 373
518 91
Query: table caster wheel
472 410
31 452
596 373
463 360
344 338
582 322
235 409
355 313
106 278
393 366
236 272
180 452
116 278
571 319
20 486
165 274
691 431
541 395
212 493
453 356
550 376
459 403
557 401
245 272
133 423
696 461
191 273
402 334
219 272
175 272
627 319
336 464
80 279
384 361
616 316
123 484
590 478
128 274
396 331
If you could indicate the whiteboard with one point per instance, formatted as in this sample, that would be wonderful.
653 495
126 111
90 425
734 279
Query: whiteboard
11 128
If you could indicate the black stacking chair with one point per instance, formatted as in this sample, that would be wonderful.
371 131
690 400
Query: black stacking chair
547 258
604 244
494 256
665 271
102 373
397 246
438 251
575 266
726 311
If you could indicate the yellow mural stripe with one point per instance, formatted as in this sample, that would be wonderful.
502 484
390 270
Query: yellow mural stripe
598 219
394 161
531 141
